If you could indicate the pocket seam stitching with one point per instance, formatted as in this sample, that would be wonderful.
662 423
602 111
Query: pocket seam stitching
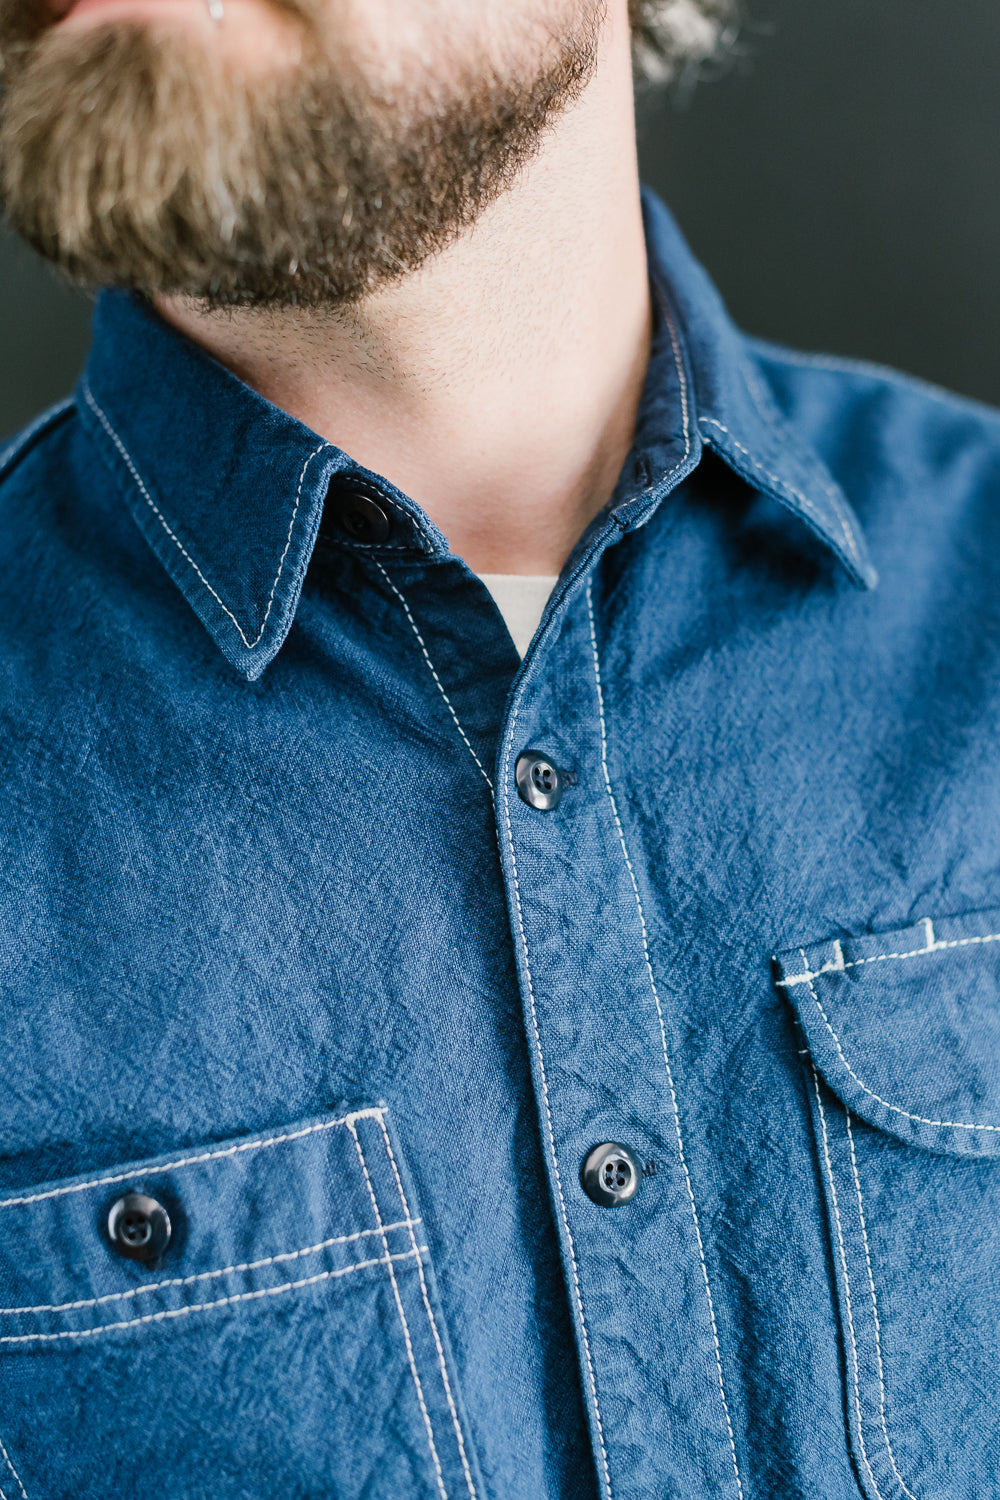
878 1327
17 1478
183 1312
158 1286
442 1364
847 1282
187 1161
839 965
402 1318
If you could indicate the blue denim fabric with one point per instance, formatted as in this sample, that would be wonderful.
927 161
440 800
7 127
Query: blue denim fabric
283 948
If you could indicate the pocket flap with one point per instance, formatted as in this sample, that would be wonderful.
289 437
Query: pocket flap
905 1028
250 1221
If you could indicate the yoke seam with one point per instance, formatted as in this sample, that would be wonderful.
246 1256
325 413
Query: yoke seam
20 444
835 364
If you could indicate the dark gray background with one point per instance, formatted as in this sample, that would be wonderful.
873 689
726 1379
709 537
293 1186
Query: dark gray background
840 183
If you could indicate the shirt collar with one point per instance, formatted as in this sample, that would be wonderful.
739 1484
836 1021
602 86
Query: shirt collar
229 491
733 412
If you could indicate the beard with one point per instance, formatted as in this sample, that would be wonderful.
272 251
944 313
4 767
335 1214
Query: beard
141 158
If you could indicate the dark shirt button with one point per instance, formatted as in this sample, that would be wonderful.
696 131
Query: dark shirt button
610 1174
139 1227
539 782
357 514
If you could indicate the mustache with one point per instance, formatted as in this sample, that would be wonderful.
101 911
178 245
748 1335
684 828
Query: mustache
24 24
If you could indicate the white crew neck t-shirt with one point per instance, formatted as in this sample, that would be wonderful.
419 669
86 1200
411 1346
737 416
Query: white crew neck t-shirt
521 599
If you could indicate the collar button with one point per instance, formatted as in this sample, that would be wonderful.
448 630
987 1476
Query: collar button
357 515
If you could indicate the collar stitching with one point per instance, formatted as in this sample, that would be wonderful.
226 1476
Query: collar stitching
780 484
682 381
781 430
654 490
359 481
113 435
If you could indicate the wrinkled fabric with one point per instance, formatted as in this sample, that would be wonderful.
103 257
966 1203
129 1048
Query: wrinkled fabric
283 948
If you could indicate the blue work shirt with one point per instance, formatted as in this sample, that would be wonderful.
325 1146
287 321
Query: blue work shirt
291 964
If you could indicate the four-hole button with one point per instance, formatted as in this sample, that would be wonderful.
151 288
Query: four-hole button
540 782
611 1173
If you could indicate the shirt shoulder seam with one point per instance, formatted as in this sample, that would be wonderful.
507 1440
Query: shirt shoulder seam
833 364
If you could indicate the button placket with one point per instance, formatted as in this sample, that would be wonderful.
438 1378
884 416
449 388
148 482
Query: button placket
598 1059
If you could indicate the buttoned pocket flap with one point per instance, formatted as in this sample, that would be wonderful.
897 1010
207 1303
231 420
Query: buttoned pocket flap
243 1309
905 1028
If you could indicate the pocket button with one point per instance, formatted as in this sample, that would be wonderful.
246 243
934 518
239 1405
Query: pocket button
139 1227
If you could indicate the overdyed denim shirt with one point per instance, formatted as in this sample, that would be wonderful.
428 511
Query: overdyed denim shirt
286 954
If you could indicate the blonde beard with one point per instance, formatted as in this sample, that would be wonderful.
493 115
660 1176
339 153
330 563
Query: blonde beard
142 161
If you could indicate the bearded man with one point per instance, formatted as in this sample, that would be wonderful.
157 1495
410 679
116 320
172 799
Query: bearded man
500 898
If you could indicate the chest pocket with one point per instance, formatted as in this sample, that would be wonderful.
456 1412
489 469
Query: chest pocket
286 1339
902 1053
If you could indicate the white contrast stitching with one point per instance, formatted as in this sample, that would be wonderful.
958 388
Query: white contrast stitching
402 1318
764 403
847 1283
578 1296
663 1036
783 486
434 674
17 1477
682 383
13 449
184 1312
896 1109
577 1293
881 958
878 1325
112 434
187 1161
430 1315
250 1265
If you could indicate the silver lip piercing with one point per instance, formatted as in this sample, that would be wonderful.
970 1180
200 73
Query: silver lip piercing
215 10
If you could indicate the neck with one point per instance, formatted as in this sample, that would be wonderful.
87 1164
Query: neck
498 385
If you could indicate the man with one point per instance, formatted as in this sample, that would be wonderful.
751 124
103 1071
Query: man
443 661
